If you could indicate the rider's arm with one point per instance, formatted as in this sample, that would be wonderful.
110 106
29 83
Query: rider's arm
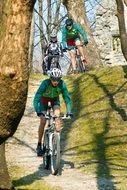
61 49
82 32
46 50
66 97
38 95
64 37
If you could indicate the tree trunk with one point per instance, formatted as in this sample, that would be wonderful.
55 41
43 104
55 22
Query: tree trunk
122 27
31 45
15 22
76 11
40 3
5 182
56 20
49 18
125 1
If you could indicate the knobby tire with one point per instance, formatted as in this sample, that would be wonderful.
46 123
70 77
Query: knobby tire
80 66
55 157
55 63
46 157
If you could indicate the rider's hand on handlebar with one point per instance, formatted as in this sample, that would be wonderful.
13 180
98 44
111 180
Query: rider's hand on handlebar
69 115
85 43
40 114
64 49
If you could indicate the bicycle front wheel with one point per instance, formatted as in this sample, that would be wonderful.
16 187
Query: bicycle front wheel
82 66
55 156
46 156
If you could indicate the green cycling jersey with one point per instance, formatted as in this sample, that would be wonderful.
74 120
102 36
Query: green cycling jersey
46 90
73 33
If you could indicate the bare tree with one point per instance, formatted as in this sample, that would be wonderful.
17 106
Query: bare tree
31 45
56 20
15 21
76 11
125 1
52 19
122 27
49 18
42 41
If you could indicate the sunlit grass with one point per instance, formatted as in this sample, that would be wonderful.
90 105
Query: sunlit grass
99 131
22 180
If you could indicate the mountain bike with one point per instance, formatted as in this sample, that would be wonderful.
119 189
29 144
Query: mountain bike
80 67
51 143
53 61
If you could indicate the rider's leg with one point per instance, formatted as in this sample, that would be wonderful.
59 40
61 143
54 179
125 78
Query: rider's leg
58 62
44 66
73 60
41 129
39 149
57 120
81 51
49 62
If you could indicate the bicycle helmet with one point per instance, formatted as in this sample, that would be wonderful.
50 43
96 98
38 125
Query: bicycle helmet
69 22
53 37
55 74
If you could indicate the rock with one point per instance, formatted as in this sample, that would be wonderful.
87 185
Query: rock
107 34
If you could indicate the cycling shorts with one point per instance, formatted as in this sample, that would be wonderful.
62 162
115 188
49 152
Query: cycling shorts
45 100
71 43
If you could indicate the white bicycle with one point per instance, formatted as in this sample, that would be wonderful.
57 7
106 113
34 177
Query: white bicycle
51 144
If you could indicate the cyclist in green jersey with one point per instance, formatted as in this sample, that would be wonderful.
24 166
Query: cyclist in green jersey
71 33
49 91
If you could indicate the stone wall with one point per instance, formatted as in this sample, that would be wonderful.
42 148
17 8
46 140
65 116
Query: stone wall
107 33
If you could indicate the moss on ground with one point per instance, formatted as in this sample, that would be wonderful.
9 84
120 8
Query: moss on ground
22 180
98 132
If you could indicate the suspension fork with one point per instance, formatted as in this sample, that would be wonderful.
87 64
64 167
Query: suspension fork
50 143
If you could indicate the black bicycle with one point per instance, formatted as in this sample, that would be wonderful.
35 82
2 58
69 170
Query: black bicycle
80 67
51 143
51 61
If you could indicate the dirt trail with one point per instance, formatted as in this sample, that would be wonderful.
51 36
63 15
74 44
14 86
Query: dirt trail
21 152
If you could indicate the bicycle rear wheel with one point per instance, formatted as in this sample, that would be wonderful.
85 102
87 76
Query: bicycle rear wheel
55 63
55 157
80 65
46 157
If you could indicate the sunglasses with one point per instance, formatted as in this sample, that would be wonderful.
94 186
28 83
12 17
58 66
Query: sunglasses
55 79
69 24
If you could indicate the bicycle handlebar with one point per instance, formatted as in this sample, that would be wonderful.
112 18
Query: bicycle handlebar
54 117
52 56
75 47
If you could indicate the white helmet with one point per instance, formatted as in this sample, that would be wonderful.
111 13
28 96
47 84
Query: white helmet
55 73
53 35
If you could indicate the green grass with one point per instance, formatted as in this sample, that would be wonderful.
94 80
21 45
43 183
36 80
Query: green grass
37 76
22 180
98 133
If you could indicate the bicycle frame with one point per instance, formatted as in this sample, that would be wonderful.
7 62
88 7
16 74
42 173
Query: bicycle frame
51 144
80 65
54 61
49 157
